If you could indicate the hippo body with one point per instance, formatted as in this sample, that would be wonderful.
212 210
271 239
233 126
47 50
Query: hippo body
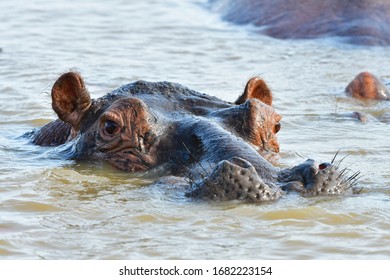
363 22
211 146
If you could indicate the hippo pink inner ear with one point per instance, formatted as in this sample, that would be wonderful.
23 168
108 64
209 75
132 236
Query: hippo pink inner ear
70 98
258 89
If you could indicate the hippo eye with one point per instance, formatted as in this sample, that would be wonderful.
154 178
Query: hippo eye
277 127
111 127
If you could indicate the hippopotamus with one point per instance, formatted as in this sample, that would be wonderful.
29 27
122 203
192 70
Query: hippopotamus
366 86
363 22
212 147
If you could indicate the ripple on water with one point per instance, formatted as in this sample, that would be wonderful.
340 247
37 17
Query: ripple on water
52 208
18 205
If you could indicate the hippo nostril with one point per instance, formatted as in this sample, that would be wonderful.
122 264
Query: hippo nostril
322 166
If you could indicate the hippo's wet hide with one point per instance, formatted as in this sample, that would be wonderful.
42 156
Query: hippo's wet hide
363 22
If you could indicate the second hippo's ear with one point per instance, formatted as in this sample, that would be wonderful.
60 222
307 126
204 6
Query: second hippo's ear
258 89
70 98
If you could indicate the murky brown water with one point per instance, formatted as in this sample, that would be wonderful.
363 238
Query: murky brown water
56 209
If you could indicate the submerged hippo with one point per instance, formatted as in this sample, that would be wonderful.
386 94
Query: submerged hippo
366 86
365 22
211 146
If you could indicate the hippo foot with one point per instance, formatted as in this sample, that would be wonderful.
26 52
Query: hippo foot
232 179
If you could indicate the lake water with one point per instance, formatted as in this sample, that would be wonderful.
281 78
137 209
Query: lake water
52 208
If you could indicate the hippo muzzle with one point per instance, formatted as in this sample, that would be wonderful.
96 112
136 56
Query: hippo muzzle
312 179
235 178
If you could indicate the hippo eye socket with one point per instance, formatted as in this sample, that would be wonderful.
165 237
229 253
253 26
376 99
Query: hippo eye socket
277 127
111 127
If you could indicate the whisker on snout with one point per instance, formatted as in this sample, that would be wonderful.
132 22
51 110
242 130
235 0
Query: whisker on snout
334 158
351 180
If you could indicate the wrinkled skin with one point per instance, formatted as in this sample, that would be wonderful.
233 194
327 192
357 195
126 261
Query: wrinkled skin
363 22
211 147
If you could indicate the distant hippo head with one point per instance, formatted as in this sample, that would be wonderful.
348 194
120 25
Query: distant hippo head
366 86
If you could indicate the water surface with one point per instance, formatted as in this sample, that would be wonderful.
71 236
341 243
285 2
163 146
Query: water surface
52 208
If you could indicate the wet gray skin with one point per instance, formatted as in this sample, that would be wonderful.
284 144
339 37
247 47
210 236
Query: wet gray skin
210 147
311 179
364 22
238 179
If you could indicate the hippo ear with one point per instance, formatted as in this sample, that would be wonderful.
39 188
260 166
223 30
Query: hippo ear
70 98
256 88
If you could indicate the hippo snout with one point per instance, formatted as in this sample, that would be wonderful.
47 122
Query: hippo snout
312 179
235 178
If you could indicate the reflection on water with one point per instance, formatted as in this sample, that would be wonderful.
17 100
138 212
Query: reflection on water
53 208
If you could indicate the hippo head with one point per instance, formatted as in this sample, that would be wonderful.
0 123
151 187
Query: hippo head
214 145
143 124
366 86
118 129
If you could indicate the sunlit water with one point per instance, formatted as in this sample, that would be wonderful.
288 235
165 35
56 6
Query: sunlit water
51 208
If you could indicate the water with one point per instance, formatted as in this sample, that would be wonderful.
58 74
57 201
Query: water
51 208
